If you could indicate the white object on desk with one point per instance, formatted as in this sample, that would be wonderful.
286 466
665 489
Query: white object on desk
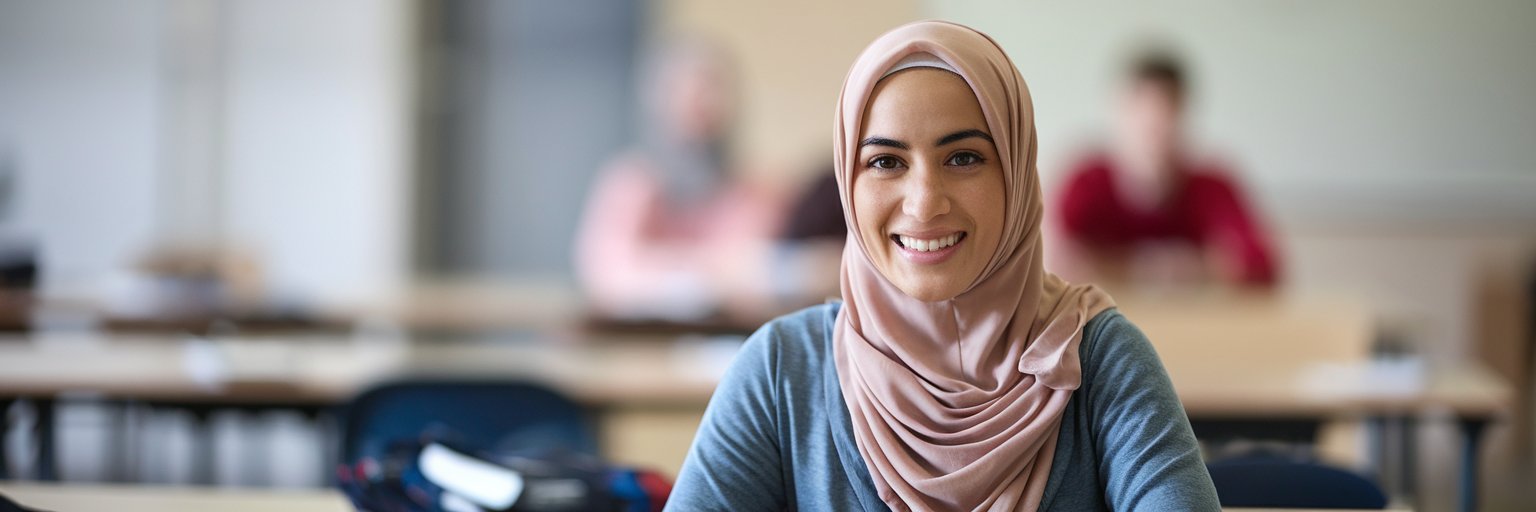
704 359
203 363
1376 378
478 481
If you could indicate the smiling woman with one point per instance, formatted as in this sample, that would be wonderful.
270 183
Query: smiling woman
955 374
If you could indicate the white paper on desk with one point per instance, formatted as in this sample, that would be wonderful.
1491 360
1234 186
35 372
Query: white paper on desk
705 358
1400 376
214 363
204 363
261 360
475 480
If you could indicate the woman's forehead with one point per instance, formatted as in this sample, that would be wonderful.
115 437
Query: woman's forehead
920 101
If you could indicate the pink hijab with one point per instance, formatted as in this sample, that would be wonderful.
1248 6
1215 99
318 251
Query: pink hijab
956 405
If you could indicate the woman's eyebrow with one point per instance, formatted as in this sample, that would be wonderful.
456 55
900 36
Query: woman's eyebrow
879 141
961 135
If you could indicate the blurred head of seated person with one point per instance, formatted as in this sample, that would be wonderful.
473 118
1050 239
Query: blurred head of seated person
810 246
668 233
955 373
1146 211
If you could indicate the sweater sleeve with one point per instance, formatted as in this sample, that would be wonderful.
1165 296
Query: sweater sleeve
734 463
1148 456
1232 229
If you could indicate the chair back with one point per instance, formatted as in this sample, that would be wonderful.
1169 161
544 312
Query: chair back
1273 481
493 415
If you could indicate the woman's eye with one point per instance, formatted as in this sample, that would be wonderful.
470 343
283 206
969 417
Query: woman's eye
965 159
885 162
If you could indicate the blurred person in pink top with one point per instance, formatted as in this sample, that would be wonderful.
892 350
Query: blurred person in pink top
670 232
1146 211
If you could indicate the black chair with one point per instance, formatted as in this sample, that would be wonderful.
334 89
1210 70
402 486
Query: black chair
1274 481
488 414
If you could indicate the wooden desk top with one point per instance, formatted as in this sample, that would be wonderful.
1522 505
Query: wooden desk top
1469 390
1228 356
70 497
641 373
1237 354
331 370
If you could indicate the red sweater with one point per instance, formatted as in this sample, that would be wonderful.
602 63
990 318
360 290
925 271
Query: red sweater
1205 209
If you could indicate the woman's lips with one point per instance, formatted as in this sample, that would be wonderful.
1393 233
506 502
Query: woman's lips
929 250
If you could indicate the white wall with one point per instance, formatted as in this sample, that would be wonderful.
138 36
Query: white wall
299 134
318 143
79 108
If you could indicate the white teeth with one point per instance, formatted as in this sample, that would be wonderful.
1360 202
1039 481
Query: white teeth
921 245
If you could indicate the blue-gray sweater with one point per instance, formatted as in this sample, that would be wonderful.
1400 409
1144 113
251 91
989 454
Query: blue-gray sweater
777 434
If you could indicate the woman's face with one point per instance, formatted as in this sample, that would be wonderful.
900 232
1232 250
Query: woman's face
927 185
1148 130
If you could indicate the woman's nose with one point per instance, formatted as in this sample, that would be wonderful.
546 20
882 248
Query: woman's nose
925 196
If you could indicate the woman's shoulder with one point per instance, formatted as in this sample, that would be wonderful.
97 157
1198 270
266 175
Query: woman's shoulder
793 348
1109 323
798 338
1110 336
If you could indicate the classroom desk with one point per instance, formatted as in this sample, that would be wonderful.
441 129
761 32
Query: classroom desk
65 498
1278 364
133 498
647 395
651 375
329 370
644 371
1301 398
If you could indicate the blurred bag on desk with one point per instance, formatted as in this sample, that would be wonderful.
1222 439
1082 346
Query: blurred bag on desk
429 475
460 445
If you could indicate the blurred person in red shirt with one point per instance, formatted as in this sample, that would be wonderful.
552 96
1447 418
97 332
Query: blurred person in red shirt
1146 211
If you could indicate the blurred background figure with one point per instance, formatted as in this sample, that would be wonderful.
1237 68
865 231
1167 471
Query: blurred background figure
1147 209
667 227
671 231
